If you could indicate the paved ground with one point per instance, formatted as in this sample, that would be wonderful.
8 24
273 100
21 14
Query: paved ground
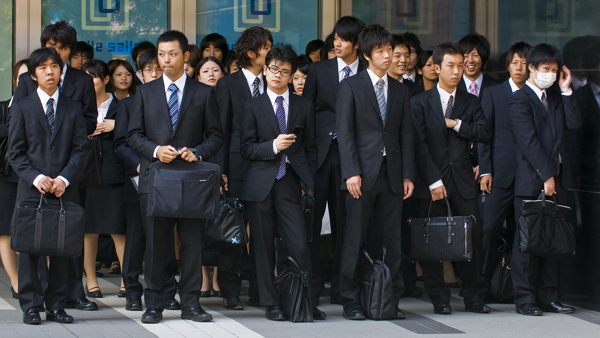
112 321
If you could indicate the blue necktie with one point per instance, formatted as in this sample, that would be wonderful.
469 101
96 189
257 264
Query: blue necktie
381 99
50 113
280 114
173 104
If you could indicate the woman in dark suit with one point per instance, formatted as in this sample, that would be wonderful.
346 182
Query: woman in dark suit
8 191
104 213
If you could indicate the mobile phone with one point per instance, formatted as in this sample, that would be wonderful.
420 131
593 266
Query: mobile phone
297 130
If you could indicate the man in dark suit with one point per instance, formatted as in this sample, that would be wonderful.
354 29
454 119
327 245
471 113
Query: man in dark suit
538 116
171 113
232 92
136 54
445 118
278 140
78 86
497 158
321 87
415 50
400 62
47 137
376 150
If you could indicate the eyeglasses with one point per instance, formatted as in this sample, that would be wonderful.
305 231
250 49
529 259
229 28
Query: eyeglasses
284 72
153 70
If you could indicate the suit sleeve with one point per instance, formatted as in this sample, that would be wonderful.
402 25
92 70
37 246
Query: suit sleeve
484 149
310 140
250 148
22 90
88 104
17 151
122 151
522 127
136 131
213 131
310 86
407 141
77 148
425 165
345 108
475 127
224 101
573 119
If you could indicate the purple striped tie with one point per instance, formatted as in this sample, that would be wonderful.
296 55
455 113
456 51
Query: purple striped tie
280 113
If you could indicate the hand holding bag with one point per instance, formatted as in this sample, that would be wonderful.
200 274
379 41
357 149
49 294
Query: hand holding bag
294 294
229 229
376 289
447 238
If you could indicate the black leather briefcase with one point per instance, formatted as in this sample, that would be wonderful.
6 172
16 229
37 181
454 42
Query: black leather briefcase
376 288
228 230
441 238
47 227
292 286
545 229
90 173
181 189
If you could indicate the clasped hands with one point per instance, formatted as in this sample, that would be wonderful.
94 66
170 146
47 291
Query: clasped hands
166 154
54 186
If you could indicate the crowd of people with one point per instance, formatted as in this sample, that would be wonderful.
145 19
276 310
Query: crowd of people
372 126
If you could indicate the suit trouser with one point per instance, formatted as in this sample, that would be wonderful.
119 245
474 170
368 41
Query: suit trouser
388 220
535 278
496 209
159 242
470 271
49 287
328 192
75 267
228 275
408 267
280 211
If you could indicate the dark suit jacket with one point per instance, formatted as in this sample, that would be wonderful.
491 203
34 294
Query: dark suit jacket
442 153
540 138
34 150
321 87
123 153
232 92
77 85
12 175
113 171
362 136
584 144
498 156
260 129
198 125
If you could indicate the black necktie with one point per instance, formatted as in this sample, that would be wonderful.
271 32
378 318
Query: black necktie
545 101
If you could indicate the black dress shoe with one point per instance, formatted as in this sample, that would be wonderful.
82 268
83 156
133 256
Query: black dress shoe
152 316
275 313
93 292
233 303
353 312
399 314
196 314
318 314
134 304
115 268
81 304
217 294
32 316
205 294
529 309
412 291
442 308
478 307
14 293
485 297
59 316
172 304
557 307
122 293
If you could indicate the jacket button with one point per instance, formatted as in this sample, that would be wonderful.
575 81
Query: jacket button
330 133
382 150
451 163
53 168
52 146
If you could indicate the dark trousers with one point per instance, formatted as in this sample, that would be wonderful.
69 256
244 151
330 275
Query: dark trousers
228 275
408 267
535 279
496 209
470 271
328 193
75 267
280 212
49 287
159 242
387 207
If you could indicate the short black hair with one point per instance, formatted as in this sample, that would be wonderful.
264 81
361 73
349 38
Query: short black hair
84 48
96 68
216 40
401 40
413 41
445 48
148 57
520 48
204 61
304 62
39 56
283 54
423 58
348 28
576 50
313 46
60 32
543 54
174 35
195 56
139 50
252 39
374 36
327 46
591 59
112 68
476 42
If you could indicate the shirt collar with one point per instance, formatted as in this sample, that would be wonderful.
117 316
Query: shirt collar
412 76
45 97
577 84
444 95
353 66
140 76
513 85
64 71
375 78
478 82
273 97
106 104
536 90
251 77
180 83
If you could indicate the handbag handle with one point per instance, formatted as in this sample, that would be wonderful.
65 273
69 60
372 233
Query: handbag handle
366 254
447 205
542 197
449 222
62 220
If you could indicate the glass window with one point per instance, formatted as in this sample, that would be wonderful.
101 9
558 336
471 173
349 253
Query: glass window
6 53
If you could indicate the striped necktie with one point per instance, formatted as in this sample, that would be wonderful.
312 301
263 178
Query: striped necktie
346 72
280 114
381 99
255 91
173 104
449 107
50 114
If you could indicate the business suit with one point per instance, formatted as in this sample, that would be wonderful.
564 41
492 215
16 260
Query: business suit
363 138
540 138
35 150
273 205
321 87
8 183
443 154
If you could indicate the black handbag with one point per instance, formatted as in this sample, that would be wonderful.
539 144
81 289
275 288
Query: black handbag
308 206
47 227
447 238
90 174
228 230
501 286
376 289
181 189
4 164
545 229
292 286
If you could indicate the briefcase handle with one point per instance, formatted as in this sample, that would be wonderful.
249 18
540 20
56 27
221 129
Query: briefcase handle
447 205
368 257
37 240
542 197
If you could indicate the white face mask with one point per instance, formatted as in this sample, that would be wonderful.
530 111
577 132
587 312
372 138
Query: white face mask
544 80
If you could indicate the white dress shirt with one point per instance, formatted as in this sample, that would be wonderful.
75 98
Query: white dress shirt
180 83
103 109
478 82
578 84
412 77
140 77
250 79
62 75
286 108
341 65
374 80
44 100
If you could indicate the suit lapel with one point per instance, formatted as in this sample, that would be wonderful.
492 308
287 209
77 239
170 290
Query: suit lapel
435 102
392 88
267 109
68 86
159 92
293 113
459 102
334 76
112 108
59 114
536 102
370 91
39 111
189 91
243 85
